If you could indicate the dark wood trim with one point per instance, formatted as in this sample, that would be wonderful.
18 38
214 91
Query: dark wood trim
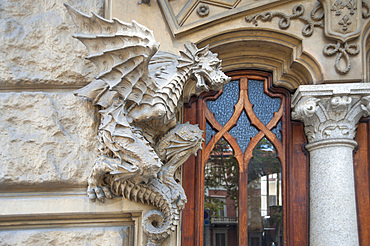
298 187
362 180
189 184
199 204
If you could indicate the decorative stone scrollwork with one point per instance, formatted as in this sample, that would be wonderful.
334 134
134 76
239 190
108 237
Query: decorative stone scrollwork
139 90
342 23
285 20
331 117
343 50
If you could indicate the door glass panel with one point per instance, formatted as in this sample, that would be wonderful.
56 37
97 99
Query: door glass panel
210 132
221 182
277 131
242 120
243 131
223 107
263 106
265 218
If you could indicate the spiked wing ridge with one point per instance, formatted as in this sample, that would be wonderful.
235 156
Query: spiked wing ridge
121 52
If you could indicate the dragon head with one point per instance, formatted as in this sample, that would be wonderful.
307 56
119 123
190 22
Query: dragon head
205 68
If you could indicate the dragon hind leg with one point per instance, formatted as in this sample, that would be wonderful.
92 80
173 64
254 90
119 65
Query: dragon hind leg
97 187
130 158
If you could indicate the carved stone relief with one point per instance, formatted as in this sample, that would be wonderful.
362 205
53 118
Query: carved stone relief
203 10
183 16
334 114
342 24
139 90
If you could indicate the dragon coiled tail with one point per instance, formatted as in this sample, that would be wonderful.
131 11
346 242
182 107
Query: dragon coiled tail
157 224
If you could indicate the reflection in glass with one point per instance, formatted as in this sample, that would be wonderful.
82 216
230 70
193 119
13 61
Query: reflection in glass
264 185
221 181
265 216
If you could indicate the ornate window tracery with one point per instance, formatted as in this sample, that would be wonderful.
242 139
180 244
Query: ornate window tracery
243 161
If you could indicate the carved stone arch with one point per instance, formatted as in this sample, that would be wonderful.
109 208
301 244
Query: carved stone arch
268 50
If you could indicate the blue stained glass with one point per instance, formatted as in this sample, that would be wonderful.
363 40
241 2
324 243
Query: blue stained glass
243 131
223 107
277 130
209 132
264 106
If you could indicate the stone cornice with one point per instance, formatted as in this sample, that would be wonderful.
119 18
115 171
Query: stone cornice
331 111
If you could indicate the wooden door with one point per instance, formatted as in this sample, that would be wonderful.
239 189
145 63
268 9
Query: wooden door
289 149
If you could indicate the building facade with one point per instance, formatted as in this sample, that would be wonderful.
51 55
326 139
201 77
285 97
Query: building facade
286 152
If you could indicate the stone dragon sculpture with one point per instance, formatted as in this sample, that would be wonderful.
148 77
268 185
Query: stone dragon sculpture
139 91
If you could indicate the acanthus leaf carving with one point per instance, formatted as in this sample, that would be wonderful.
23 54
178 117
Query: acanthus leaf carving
331 117
139 90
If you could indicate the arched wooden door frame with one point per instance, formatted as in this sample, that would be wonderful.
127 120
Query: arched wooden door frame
295 172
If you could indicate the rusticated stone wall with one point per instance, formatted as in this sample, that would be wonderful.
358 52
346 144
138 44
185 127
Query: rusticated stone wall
48 139
37 48
47 133
48 136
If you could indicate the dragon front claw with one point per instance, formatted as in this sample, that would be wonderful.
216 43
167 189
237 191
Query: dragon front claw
96 188
99 192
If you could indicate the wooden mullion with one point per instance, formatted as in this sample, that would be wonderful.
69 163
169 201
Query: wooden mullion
230 124
243 207
230 139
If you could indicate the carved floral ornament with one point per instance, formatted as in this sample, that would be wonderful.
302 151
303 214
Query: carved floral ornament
138 90
203 10
331 116
341 20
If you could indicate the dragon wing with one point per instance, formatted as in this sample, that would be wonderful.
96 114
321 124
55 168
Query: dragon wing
121 52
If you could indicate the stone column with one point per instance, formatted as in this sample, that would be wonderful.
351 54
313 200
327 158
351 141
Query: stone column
330 114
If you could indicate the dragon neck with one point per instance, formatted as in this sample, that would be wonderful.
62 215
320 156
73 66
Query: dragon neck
172 91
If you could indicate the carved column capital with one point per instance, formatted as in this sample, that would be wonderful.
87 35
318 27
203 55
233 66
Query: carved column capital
331 111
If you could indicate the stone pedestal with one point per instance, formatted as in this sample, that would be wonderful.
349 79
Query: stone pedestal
330 114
